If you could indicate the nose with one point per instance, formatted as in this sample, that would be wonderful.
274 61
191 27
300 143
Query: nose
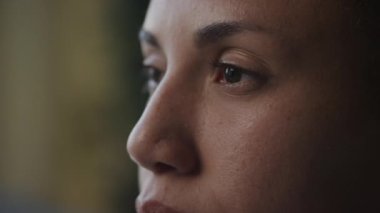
162 140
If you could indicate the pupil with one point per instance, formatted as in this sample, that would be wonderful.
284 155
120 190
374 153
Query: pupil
232 75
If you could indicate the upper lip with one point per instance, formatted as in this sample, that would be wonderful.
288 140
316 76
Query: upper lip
153 206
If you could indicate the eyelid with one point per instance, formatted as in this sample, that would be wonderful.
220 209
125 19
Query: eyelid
150 59
249 82
243 59
155 60
226 64
256 73
147 49
153 76
256 70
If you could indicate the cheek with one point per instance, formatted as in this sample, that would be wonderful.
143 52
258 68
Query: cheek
262 149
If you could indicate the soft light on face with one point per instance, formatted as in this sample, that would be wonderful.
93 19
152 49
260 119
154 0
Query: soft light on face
254 107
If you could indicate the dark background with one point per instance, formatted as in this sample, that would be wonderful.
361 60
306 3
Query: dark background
70 93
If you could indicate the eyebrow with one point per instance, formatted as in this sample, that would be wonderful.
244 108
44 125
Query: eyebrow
218 31
208 34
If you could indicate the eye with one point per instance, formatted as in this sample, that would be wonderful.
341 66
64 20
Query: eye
237 80
153 77
232 74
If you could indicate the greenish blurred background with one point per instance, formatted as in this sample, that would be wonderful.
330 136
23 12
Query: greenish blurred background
70 92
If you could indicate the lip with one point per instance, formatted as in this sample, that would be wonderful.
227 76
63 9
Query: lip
153 206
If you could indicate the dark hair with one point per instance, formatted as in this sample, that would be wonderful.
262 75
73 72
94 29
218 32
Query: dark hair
365 22
368 19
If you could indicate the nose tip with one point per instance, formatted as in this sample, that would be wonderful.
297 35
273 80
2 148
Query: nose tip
136 151
163 155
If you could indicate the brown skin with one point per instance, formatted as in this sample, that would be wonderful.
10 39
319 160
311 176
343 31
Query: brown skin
291 135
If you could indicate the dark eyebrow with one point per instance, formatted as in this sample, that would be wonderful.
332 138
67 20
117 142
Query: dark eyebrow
209 34
147 37
217 31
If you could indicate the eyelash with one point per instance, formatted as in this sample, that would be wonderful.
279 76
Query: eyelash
222 71
153 76
236 84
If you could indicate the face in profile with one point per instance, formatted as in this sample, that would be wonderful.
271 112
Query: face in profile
255 106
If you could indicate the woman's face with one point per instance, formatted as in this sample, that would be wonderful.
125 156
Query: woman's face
254 107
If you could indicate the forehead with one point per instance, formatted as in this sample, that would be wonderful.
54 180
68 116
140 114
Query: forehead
291 18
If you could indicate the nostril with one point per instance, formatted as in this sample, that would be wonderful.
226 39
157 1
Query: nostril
163 168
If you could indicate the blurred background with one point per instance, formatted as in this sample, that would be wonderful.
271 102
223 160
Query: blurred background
70 92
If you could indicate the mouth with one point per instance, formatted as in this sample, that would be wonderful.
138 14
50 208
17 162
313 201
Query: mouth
152 206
